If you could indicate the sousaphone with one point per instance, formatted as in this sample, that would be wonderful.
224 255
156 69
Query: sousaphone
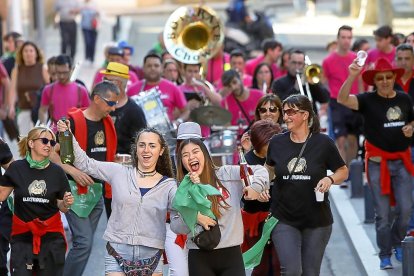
193 34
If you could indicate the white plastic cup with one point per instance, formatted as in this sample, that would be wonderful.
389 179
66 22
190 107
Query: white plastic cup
361 56
319 196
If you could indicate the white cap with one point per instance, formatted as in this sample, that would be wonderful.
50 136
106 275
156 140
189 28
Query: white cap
189 130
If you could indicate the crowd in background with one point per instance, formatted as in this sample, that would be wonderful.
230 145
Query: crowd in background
277 111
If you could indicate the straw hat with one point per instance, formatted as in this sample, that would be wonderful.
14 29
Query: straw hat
116 69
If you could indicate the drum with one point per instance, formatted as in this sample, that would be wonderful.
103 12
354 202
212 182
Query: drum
156 114
223 140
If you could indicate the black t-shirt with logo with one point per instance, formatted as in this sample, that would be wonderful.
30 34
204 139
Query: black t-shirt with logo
128 120
96 140
384 119
293 200
35 191
5 214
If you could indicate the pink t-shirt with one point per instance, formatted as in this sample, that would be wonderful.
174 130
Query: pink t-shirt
248 105
247 82
171 96
375 54
335 69
64 97
215 68
252 64
3 74
187 88
99 78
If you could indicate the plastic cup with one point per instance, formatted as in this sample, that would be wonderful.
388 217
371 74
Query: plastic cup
362 56
319 196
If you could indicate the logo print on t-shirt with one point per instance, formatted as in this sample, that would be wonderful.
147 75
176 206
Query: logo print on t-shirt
37 188
99 138
394 113
301 167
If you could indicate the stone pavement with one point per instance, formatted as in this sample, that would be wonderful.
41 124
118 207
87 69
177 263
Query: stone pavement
351 250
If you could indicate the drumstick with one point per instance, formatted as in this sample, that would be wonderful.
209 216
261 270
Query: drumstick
75 72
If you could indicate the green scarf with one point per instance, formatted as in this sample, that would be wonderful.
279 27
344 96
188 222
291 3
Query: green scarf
192 198
37 164
253 256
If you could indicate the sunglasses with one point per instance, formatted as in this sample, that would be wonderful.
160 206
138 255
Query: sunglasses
291 112
46 141
383 77
272 109
109 103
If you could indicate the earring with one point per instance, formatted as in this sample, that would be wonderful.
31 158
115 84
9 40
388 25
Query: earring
310 123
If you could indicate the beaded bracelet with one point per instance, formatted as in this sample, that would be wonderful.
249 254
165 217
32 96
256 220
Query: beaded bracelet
330 177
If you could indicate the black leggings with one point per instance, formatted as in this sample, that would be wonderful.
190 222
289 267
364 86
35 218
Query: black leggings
219 262
49 262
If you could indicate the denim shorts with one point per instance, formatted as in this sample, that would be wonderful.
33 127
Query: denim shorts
131 253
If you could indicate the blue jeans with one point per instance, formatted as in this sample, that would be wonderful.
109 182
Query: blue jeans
300 251
83 230
391 233
89 37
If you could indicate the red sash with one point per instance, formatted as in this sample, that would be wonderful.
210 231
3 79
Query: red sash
385 177
38 228
81 135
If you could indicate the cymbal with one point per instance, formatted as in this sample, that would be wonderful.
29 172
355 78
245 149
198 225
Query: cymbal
210 115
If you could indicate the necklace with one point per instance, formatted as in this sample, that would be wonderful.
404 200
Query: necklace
146 174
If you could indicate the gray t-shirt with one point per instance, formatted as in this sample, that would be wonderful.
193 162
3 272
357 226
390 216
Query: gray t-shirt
65 9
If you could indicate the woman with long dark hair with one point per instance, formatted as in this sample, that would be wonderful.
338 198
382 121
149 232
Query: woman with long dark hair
269 107
299 159
141 196
28 76
194 162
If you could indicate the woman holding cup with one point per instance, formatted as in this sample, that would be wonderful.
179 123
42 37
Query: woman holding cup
305 224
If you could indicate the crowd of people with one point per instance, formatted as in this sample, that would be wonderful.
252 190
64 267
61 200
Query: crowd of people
162 196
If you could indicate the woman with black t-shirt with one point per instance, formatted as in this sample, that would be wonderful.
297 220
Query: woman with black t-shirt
305 225
255 212
41 190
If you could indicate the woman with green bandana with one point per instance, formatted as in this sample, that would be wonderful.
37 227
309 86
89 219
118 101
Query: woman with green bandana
216 194
41 190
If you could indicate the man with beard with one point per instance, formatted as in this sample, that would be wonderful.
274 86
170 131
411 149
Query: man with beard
238 99
95 132
128 117
63 94
172 98
388 129
288 85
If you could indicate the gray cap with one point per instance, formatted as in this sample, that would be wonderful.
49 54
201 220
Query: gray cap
189 130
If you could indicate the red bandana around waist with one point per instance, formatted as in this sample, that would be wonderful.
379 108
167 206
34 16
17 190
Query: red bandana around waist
38 228
385 177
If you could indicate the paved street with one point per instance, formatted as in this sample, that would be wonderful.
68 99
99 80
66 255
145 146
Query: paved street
309 33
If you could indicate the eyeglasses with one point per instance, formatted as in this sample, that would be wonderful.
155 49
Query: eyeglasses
109 103
46 141
64 73
384 77
272 109
291 112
